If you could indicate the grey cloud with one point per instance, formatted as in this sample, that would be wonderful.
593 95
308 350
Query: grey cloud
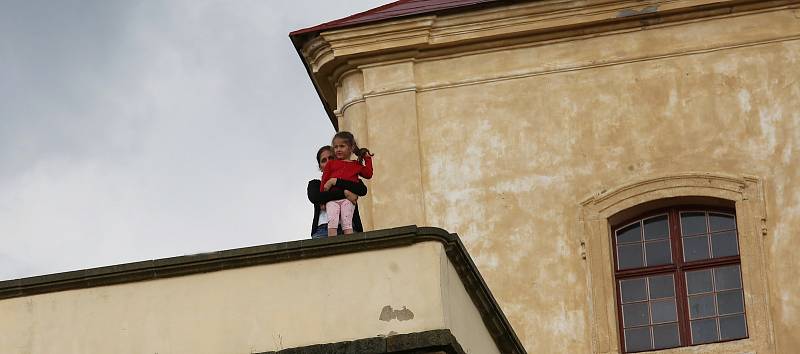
135 130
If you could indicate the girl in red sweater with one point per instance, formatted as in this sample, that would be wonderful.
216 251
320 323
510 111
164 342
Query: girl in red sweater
344 146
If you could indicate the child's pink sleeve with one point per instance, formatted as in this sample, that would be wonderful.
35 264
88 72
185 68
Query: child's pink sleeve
366 170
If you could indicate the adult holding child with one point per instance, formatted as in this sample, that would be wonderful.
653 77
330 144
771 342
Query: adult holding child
319 196
343 168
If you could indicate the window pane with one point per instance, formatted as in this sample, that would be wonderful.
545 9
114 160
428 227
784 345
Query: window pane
693 223
719 222
729 302
662 286
701 306
723 244
630 256
698 281
727 278
630 233
664 311
633 290
732 327
635 314
656 228
666 336
695 248
637 339
658 253
704 331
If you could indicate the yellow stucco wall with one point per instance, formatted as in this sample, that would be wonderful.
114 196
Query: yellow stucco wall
502 145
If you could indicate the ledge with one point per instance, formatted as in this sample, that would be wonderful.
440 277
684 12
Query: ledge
490 313
436 341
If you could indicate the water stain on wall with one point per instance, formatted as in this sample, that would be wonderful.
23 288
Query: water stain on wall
388 314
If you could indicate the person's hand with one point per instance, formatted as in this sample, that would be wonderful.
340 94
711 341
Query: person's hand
328 185
352 197
365 153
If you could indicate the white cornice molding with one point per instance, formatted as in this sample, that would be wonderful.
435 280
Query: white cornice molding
370 38
530 23
499 22
317 52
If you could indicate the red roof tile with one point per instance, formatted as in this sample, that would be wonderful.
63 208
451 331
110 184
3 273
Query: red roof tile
401 8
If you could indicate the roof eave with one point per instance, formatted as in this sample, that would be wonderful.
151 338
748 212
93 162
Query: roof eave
300 37
298 41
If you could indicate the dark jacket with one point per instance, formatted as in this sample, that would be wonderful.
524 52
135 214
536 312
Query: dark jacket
316 197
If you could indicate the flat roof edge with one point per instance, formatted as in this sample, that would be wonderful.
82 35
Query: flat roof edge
218 260
491 313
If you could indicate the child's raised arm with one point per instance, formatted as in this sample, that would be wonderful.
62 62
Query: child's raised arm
366 170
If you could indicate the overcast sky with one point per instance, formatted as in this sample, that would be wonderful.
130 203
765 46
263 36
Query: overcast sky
133 130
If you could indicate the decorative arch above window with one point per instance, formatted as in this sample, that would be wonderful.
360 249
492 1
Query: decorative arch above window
670 258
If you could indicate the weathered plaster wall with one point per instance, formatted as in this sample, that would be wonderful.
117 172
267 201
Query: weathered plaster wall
243 310
502 146
460 316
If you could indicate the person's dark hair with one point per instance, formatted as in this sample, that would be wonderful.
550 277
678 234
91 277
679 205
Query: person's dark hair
351 140
319 152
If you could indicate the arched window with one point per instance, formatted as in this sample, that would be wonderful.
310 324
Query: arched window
678 279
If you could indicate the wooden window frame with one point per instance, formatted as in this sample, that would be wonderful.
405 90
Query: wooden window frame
607 205
678 269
